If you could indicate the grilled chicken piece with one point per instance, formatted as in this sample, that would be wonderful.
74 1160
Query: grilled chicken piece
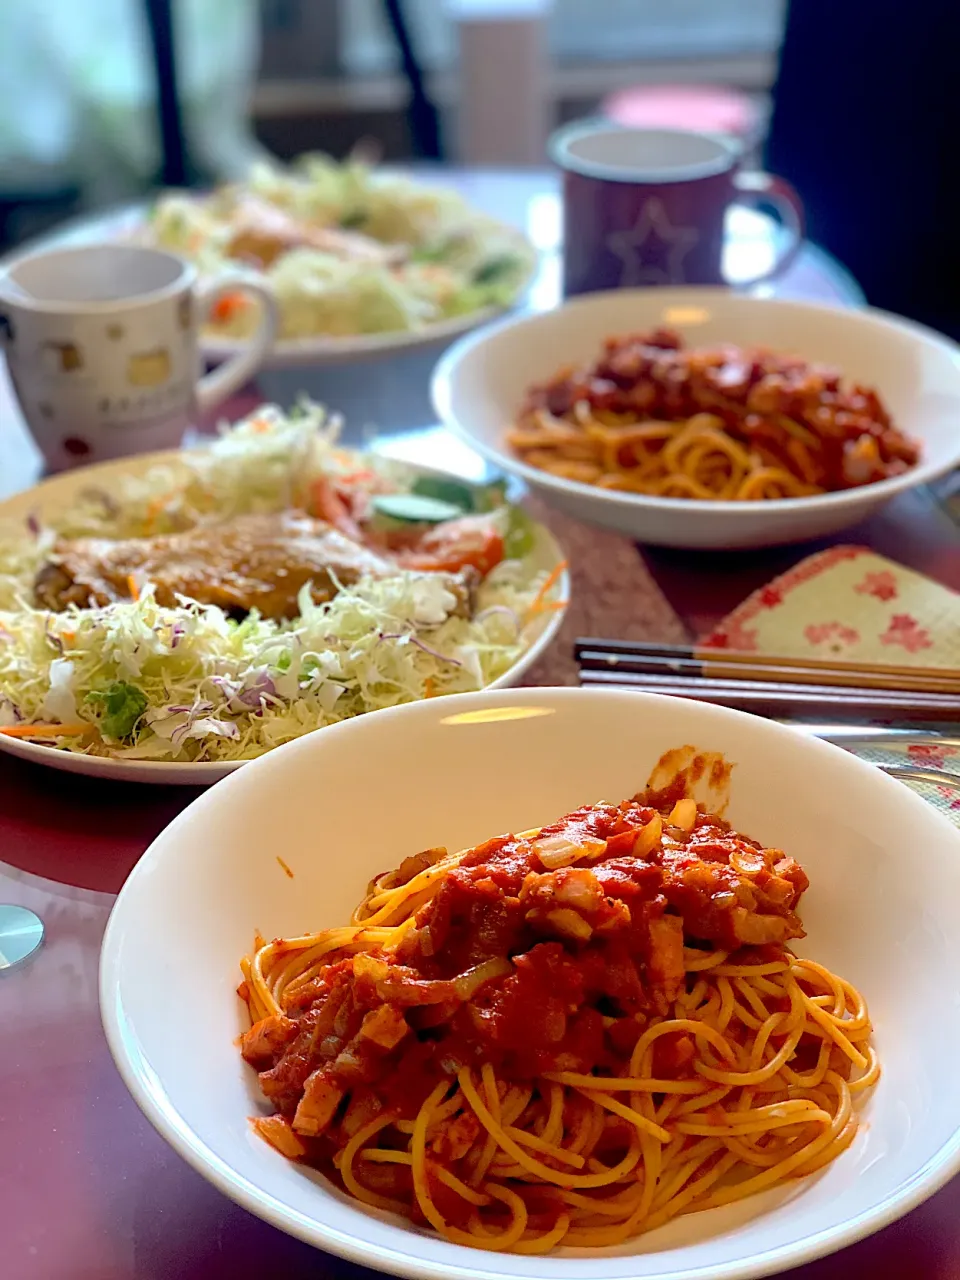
320 1100
729 889
266 1040
262 233
250 562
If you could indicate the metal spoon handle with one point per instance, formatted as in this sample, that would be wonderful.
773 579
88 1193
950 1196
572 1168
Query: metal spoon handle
909 773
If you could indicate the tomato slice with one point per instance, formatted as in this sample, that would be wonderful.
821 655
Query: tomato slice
471 542
327 504
227 306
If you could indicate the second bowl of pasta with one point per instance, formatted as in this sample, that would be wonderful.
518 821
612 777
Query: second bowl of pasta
700 418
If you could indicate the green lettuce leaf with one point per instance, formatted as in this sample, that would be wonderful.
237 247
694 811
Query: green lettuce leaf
123 704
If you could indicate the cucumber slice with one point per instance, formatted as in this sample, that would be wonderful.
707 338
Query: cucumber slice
492 495
445 489
496 268
414 508
520 536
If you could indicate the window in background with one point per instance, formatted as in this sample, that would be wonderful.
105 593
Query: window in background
299 39
593 48
82 78
580 31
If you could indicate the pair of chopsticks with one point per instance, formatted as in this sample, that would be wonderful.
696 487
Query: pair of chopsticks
772 686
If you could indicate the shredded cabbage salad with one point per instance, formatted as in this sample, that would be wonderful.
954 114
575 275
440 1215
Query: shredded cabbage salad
456 261
189 683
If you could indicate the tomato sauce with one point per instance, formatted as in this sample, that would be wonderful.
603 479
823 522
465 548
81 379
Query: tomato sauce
537 954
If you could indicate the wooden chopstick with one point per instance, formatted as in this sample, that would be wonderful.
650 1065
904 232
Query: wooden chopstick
918 681
688 660
774 699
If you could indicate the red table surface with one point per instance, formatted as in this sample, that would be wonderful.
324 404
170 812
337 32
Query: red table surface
88 1191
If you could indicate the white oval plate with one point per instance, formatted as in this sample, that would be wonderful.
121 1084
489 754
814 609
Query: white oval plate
46 498
128 223
478 387
881 910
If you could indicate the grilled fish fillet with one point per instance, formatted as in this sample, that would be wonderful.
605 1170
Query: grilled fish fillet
249 562
262 233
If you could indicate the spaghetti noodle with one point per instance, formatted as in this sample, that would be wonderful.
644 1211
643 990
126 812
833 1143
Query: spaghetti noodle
727 424
569 1036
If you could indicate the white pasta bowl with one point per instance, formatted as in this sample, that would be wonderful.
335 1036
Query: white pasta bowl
343 805
480 383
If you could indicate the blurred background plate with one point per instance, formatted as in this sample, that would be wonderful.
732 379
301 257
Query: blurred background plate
528 202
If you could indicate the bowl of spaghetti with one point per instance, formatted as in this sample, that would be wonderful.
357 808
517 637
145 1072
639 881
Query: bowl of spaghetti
673 1001
701 418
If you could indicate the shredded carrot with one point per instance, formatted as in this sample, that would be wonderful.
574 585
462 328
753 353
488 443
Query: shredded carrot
260 425
429 687
132 587
225 308
155 508
285 867
68 636
553 577
551 606
45 730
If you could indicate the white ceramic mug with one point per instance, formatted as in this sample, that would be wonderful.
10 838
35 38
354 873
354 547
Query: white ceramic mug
101 345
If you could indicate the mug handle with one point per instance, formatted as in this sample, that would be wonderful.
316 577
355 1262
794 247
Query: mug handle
214 387
758 189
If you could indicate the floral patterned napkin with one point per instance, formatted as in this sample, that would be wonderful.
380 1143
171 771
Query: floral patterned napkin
849 603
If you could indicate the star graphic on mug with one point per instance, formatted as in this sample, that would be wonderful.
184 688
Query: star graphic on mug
653 250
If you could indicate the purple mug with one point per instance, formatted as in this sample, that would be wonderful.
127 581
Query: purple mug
647 206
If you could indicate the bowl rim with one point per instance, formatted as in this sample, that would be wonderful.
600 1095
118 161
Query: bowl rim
445 371
149 1095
